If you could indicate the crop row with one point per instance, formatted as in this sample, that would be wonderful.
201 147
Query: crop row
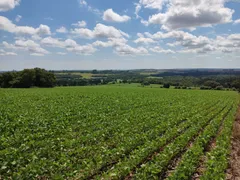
152 135
137 157
97 132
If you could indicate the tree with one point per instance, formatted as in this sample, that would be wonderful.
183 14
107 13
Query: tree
212 84
94 71
44 78
28 78
145 83
7 79
166 85
236 84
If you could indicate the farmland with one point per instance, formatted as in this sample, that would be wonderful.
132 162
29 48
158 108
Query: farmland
110 132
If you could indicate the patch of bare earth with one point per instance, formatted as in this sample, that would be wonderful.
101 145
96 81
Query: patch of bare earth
233 172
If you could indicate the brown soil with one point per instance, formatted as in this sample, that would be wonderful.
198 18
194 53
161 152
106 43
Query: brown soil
233 173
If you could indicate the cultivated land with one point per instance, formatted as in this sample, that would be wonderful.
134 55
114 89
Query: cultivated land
115 132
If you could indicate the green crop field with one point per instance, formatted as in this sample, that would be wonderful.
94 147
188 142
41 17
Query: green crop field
111 132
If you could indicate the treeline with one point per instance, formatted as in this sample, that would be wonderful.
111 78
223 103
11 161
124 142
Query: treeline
197 73
27 78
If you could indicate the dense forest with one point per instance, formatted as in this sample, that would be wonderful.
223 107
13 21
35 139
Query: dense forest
27 78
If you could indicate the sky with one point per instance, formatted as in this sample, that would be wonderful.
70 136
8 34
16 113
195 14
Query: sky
119 34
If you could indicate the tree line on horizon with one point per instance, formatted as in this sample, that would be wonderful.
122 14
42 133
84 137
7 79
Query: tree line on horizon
27 78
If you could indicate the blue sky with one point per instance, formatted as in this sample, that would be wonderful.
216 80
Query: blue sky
107 34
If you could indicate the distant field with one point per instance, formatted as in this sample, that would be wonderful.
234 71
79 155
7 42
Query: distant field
115 132
84 75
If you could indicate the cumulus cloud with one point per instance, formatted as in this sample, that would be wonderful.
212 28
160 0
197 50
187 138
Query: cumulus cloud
85 50
110 16
26 45
61 53
228 44
237 21
152 4
143 40
128 50
6 5
182 38
7 25
31 46
112 42
4 53
36 54
80 24
69 45
54 42
18 18
100 31
62 30
191 14
158 49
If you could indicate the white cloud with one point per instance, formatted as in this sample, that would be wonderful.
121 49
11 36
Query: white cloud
31 46
83 3
62 30
4 53
144 22
18 18
53 42
111 16
140 35
85 50
100 31
237 21
182 38
158 49
152 4
70 45
36 54
137 10
6 5
112 42
61 53
26 45
191 14
36 37
80 24
128 50
143 40
228 44
7 25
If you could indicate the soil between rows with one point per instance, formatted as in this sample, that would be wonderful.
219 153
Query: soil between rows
233 172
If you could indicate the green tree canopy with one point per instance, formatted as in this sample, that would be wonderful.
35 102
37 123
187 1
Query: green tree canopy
27 78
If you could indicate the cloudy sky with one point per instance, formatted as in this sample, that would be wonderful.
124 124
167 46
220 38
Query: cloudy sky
119 34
